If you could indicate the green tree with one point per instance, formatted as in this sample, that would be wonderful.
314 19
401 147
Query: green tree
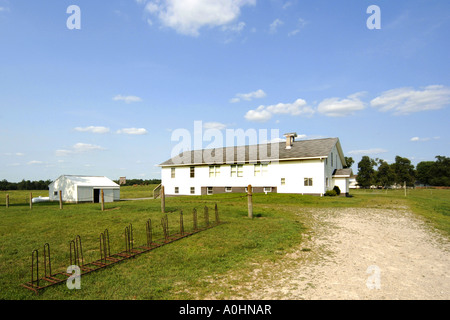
385 175
440 172
349 162
403 171
424 172
366 172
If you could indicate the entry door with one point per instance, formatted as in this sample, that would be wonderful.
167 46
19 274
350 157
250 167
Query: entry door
96 195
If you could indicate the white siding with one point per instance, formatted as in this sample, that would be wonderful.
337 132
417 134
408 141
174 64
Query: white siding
342 183
108 195
78 189
319 171
116 194
69 190
294 173
330 166
85 194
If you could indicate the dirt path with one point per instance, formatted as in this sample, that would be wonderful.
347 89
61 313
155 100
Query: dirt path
352 254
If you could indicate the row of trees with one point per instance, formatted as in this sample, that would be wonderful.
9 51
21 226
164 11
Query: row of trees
435 173
25 185
379 173
43 185
141 182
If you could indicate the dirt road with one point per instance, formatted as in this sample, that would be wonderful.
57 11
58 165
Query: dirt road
352 254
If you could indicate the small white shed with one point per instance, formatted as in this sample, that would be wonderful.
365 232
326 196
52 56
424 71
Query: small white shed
341 179
84 189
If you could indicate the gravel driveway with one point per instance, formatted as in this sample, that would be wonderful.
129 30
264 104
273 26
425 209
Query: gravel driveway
352 254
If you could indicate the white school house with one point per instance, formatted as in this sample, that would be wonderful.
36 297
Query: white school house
299 167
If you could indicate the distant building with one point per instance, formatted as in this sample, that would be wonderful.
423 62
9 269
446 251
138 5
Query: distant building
84 189
302 167
353 184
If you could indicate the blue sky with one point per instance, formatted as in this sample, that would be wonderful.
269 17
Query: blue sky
105 99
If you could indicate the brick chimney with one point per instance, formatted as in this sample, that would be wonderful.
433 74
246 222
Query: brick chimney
290 138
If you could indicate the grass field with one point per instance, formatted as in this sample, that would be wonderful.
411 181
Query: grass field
177 270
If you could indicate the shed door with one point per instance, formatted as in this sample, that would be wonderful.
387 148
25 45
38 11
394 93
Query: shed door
96 195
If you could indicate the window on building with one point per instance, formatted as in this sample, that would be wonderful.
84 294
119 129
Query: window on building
228 189
240 170
237 170
283 181
308 182
257 170
55 193
210 190
260 169
172 173
264 168
267 189
177 189
192 172
214 171
192 190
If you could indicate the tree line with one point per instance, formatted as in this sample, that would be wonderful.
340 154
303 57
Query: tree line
377 172
24 185
141 182
43 185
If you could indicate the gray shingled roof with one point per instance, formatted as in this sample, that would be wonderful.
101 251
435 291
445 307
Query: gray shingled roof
256 153
343 172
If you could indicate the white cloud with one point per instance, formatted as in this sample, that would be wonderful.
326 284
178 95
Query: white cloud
415 139
214 125
92 129
77 149
404 101
335 107
235 27
293 32
63 152
34 162
16 164
258 115
127 99
274 25
18 154
300 25
258 94
263 113
188 17
133 131
85 147
368 151
287 5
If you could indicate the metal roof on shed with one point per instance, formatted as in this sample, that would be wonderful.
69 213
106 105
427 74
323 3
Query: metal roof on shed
90 181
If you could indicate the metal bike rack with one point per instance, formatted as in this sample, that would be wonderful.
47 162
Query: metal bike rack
107 259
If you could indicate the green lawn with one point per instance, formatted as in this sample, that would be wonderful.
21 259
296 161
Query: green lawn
433 205
130 192
176 270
